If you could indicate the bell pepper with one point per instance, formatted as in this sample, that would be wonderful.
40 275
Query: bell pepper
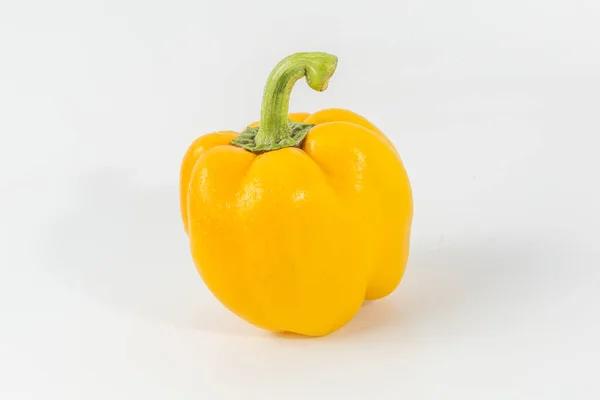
300 218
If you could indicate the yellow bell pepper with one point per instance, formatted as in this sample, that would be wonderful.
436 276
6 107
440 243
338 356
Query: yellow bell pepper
299 219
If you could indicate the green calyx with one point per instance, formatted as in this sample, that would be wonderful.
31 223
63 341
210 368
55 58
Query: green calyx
276 131
247 139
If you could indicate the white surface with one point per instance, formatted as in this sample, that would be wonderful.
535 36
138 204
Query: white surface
493 106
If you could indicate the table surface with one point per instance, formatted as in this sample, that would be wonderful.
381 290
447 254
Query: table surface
493 107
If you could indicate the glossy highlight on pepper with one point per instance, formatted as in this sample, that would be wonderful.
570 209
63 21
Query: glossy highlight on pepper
296 221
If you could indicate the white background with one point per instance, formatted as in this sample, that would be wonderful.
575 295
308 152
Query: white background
493 105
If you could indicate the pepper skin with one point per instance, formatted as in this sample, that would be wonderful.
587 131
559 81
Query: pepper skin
295 238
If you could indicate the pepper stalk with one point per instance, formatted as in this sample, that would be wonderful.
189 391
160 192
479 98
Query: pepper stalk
276 131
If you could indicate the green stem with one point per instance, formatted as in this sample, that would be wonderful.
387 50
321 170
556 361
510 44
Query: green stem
274 123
